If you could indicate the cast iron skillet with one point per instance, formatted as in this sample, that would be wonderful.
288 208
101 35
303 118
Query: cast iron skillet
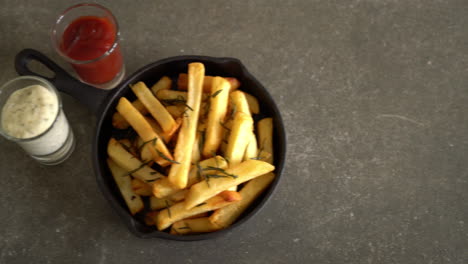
103 103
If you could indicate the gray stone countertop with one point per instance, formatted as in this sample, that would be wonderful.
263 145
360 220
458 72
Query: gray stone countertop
375 102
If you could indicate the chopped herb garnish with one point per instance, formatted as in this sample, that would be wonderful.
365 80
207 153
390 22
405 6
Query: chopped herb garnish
146 142
166 158
234 110
153 172
184 227
152 180
133 197
137 169
168 209
216 93
179 100
215 176
200 204
224 126
199 169
208 168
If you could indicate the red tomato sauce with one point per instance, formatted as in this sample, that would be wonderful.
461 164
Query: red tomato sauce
88 38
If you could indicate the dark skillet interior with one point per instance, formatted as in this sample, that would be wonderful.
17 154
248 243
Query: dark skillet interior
171 67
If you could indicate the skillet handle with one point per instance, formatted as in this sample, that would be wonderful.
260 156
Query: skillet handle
87 95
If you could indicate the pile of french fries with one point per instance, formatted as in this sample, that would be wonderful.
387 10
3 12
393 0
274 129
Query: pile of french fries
197 156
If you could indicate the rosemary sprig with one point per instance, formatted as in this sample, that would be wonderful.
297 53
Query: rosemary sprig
201 204
224 126
166 158
211 168
216 93
168 209
216 176
146 142
179 100
137 169
233 111
199 169
184 227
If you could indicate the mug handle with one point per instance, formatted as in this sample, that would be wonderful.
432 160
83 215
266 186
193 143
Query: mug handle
87 95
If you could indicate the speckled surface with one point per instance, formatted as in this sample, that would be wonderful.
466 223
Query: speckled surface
374 97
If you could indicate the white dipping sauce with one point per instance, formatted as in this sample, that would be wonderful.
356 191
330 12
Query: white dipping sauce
28 113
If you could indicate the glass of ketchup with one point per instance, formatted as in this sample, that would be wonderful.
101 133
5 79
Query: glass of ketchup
87 36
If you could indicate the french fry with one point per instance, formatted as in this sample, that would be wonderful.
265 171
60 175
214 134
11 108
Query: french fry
178 174
128 145
130 163
176 111
119 122
178 211
160 203
164 83
178 196
171 97
157 147
239 102
217 113
265 136
133 201
191 226
251 150
166 136
227 215
156 109
239 138
234 176
182 82
141 188
163 188
145 152
254 107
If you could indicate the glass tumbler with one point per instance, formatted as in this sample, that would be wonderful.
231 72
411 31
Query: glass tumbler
56 143
87 36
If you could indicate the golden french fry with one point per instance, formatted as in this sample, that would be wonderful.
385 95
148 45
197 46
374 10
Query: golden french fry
160 203
171 97
166 136
238 103
178 212
156 109
191 226
232 176
254 107
177 111
156 145
123 181
178 174
227 215
128 145
252 148
163 188
178 196
141 188
130 163
265 136
217 113
239 138
119 122
164 83
182 82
